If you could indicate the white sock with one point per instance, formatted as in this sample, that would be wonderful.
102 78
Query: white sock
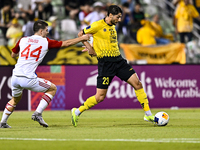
148 113
46 99
7 112
77 112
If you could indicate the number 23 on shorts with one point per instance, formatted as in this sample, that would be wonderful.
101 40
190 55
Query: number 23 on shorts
105 80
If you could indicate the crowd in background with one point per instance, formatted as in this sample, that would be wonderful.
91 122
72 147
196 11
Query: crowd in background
136 26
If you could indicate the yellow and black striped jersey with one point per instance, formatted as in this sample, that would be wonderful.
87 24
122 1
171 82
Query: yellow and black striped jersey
105 41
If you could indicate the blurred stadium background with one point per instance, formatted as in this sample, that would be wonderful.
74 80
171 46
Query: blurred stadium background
68 25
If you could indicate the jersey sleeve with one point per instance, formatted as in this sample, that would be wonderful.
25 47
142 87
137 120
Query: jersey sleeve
16 48
54 43
93 28
194 12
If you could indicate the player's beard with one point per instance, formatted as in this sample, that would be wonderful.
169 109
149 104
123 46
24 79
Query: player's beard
113 22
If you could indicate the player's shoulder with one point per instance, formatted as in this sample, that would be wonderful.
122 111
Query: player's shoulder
191 6
99 23
23 39
48 39
34 39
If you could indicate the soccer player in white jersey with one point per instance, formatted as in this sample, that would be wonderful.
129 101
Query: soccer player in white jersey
31 51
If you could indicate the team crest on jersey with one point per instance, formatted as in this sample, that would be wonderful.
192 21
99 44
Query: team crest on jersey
88 27
104 29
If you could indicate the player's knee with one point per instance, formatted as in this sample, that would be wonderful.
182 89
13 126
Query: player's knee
138 85
100 98
52 90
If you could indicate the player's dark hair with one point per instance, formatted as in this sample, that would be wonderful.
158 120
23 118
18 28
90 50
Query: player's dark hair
40 24
114 10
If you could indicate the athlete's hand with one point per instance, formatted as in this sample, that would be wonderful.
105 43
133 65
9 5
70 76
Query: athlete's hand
80 33
85 49
90 52
86 37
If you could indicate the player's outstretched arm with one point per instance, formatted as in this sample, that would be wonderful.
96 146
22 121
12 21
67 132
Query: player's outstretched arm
76 40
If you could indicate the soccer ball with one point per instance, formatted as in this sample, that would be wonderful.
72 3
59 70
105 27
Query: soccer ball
161 118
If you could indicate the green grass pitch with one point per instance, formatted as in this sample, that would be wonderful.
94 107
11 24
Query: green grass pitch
102 130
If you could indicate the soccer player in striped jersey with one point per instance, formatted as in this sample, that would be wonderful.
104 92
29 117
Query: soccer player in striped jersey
31 51
110 63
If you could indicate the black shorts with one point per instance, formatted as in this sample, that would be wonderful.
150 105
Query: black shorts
108 69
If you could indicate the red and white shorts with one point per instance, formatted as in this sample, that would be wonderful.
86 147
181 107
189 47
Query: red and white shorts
18 83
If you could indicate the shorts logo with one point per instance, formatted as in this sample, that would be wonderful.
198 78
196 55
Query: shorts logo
130 69
45 81
88 27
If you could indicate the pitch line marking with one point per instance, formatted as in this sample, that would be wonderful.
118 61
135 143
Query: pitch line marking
151 140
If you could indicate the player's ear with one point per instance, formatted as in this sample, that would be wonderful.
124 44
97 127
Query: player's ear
110 15
40 31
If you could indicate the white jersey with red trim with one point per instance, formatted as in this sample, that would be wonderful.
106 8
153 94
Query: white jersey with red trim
31 51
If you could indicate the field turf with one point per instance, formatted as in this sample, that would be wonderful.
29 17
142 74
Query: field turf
102 130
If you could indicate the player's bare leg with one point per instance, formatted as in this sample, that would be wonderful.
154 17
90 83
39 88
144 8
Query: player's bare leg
141 96
10 107
46 99
89 103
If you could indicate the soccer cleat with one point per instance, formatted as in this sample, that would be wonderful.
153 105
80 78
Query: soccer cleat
149 118
74 117
4 125
38 117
